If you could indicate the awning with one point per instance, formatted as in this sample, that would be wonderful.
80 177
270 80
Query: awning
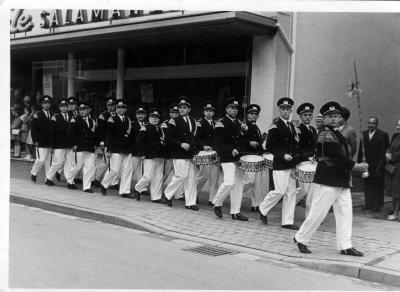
207 25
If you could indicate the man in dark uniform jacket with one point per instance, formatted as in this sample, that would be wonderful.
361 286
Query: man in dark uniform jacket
205 139
307 147
69 163
228 141
182 144
150 144
137 124
283 142
331 185
253 140
58 140
102 158
83 137
40 130
374 144
119 141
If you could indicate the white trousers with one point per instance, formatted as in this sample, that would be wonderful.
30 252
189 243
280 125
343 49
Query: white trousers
69 165
152 174
42 158
85 162
119 164
101 167
137 168
57 163
285 186
304 191
232 185
323 198
256 180
185 175
211 174
168 175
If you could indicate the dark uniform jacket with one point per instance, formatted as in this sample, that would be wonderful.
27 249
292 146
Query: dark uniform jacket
150 142
59 131
40 131
375 150
281 140
178 132
307 141
227 137
135 132
82 135
102 125
119 135
334 159
205 134
253 133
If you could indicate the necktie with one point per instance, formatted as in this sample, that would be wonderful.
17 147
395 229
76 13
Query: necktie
87 122
65 117
48 115
290 128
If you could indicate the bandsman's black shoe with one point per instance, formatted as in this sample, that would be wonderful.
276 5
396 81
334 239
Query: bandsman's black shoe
126 195
137 195
351 252
58 176
103 190
71 186
193 207
210 203
167 202
33 178
96 183
218 211
302 247
290 226
49 183
239 217
264 218
257 209
88 191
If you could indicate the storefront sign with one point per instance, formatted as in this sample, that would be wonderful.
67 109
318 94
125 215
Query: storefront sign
48 84
31 22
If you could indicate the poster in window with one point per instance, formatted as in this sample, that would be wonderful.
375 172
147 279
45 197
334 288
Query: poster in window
146 92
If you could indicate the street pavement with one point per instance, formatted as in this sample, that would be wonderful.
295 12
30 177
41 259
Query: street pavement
50 250
378 239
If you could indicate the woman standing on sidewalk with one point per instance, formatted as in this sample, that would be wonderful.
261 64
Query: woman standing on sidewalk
392 175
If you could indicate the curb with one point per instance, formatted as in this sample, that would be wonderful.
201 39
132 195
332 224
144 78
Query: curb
364 272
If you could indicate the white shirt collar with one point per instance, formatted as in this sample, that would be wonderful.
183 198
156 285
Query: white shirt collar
233 120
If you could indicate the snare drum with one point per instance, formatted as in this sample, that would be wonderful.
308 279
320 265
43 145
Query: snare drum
205 158
304 172
269 160
252 163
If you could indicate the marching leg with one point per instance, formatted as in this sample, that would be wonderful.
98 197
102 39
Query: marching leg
181 167
190 185
126 174
88 169
343 210
229 170
280 181
289 202
156 183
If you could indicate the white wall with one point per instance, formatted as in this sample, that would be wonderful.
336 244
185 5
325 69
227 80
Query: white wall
327 44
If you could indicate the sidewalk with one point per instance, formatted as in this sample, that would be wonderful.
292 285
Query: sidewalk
378 239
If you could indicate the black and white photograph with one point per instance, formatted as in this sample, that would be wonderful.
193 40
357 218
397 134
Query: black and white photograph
200 146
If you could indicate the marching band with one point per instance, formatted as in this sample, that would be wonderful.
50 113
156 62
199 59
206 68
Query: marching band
141 152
